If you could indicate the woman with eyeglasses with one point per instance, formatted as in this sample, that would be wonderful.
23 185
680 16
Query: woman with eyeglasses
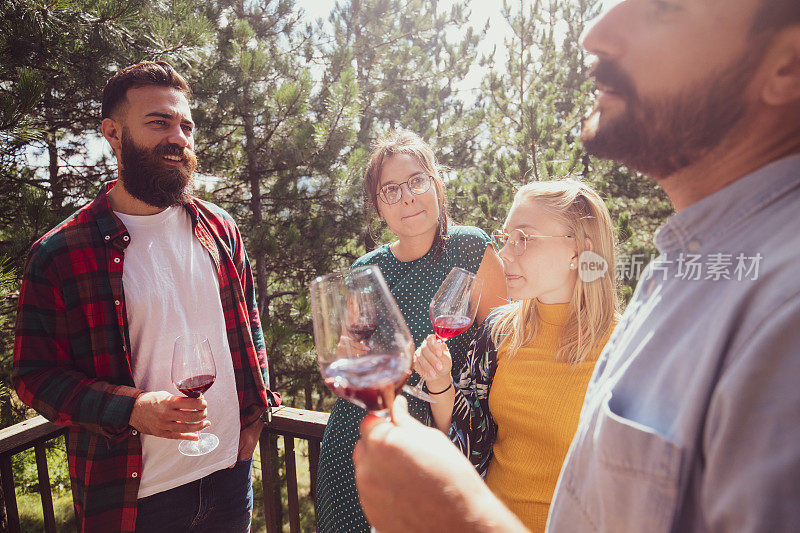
515 404
403 186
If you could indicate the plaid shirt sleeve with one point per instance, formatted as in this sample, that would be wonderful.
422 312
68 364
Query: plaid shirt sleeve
44 373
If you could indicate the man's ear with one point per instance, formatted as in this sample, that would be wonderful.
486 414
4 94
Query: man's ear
112 131
782 69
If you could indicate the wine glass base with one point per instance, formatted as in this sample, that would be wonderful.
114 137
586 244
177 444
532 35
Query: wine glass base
207 443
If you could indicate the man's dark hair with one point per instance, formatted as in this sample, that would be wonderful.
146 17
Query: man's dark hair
158 73
774 15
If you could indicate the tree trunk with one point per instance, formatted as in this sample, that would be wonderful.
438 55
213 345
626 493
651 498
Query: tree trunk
56 186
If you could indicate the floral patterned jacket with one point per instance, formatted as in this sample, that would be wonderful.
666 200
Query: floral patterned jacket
473 429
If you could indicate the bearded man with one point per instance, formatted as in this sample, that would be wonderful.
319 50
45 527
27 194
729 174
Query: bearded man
691 420
104 296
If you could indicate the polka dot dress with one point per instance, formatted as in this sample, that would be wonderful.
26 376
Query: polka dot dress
413 284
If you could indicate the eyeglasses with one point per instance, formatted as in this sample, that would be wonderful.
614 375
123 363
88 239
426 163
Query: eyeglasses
393 192
519 240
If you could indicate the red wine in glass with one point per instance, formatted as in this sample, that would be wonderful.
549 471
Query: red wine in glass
194 386
448 326
193 373
362 331
371 381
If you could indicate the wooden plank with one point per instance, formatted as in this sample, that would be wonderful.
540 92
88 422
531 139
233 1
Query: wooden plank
10 497
298 423
20 437
291 484
44 488
313 465
267 489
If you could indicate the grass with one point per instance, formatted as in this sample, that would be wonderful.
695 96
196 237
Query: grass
32 519
30 512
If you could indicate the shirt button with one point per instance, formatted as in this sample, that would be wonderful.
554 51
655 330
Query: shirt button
108 237
134 432
116 302
135 474
116 259
126 238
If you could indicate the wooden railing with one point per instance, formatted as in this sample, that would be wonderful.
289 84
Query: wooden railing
286 422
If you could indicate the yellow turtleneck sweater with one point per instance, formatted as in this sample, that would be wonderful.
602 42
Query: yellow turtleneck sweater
535 401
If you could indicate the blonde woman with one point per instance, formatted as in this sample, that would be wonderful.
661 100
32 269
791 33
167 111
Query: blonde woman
515 405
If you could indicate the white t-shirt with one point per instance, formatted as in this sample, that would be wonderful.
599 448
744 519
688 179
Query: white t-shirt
171 289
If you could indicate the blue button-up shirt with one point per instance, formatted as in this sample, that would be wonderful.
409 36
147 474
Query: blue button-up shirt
692 419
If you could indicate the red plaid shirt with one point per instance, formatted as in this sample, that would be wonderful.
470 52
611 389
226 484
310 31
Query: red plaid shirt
71 355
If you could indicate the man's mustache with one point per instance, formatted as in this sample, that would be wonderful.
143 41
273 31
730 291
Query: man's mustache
611 76
172 149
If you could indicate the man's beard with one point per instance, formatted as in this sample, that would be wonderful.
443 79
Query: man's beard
147 178
659 137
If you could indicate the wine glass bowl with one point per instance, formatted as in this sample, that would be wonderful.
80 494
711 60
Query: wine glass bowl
193 373
454 305
364 348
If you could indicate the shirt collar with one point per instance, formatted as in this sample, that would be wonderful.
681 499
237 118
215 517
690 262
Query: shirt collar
111 227
707 221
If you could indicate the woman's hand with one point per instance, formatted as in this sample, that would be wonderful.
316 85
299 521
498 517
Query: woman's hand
432 361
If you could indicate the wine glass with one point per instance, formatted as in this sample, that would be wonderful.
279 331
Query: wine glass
364 348
454 305
193 373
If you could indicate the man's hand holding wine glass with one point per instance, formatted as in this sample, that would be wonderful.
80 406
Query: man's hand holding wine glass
167 416
411 478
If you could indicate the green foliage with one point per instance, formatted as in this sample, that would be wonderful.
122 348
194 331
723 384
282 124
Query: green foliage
26 478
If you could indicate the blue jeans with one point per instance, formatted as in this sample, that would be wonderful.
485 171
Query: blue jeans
219 502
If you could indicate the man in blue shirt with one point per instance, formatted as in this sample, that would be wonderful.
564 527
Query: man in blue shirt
692 419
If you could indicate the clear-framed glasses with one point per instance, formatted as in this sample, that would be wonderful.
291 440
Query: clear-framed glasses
518 239
391 193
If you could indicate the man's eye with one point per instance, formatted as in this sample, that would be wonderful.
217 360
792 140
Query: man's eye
188 128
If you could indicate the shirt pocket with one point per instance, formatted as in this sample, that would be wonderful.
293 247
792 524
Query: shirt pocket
638 474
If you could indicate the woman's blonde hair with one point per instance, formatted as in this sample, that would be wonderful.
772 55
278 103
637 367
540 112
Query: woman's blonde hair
409 143
594 305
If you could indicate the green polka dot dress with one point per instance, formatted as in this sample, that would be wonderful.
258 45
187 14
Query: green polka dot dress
413 284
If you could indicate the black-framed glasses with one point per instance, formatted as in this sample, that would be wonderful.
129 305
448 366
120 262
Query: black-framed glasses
391 193
518 239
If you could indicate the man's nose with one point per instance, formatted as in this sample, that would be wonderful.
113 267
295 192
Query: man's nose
177 135
604 36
